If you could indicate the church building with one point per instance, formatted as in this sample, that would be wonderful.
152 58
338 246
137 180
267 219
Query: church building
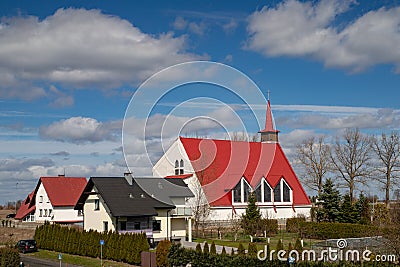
223 173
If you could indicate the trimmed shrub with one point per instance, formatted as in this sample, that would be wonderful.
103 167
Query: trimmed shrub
213 249
252 250
124 247
9 257
162 253
206 249
336 230
241 250
271 226
293 225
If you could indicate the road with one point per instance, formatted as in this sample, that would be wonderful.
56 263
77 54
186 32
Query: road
36 262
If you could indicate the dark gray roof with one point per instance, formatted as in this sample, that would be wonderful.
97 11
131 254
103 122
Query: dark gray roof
164 189
122 198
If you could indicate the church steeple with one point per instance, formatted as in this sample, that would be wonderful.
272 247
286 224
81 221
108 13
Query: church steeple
269 134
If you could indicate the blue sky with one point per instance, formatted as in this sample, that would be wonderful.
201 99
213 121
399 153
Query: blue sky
68 70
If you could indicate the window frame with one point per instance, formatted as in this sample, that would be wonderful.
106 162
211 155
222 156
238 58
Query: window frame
97 204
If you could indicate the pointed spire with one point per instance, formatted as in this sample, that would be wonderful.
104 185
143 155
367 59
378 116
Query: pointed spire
269 133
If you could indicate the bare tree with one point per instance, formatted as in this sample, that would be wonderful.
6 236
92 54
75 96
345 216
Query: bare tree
351 158
387 148
199 204
314 155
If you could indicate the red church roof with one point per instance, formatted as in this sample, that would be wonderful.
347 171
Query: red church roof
63 191
220 164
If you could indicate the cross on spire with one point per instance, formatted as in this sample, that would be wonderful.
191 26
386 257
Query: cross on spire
268 92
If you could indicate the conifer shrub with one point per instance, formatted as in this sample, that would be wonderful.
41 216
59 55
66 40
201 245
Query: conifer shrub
293 225
198 248
252 250
124 247
206 249
213 249
223 252
9 257
336 230
241 250
162 253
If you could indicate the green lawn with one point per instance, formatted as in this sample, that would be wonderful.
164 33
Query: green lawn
76 260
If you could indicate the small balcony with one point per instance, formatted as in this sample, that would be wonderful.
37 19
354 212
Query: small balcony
181 211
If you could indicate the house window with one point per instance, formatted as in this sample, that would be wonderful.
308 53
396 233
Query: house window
267 192
258 193
246 190
50 212
122 225
96 204
282 192
241 192
41 199
157 225
179 167
45 212
237 193
105 226
40 212
286 192
277 193
136 226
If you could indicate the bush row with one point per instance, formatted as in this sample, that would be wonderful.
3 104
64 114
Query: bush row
9 257
118 247
178 256
321 230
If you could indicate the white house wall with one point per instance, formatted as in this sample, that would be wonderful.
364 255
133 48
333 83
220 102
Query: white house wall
94 219
45 211
43 203
166 165
282 212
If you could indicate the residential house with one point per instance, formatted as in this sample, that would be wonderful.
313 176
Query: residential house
224 172
53 200
154 206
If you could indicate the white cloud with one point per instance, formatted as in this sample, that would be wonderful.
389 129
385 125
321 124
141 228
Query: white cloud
80 48
81 130
180 23
197 28
308 29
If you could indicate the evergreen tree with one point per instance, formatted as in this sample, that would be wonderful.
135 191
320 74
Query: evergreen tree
223 252
252 250
279 245
348 211
198 248
330 201
297 245
251 219
206 249
241 250
363 210
213 249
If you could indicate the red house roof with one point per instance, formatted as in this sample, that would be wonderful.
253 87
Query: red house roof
63 191
220 164
27 206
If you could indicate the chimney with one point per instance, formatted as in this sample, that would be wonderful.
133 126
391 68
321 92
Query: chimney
129 178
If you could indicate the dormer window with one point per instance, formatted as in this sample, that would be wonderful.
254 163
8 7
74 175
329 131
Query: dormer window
179 167
282 192
241 192
40 199
263 191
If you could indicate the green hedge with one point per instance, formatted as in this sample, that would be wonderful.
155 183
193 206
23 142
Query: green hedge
118 247
293 224
178 256
317 230
9 257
